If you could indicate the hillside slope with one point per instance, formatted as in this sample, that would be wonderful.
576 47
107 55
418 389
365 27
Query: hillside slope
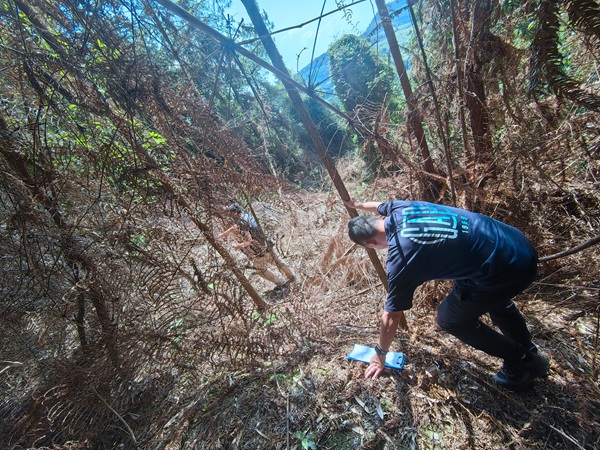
444 398
317 72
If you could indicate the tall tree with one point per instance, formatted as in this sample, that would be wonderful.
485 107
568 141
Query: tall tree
361 78
364 83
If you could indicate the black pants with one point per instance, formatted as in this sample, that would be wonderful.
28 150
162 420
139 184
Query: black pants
459 315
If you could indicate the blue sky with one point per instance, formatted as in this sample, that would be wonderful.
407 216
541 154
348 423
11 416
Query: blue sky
286 13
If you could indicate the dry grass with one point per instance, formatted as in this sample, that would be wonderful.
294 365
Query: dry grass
234 379
443 399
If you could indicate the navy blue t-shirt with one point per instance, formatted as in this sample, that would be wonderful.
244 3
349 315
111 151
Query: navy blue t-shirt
433 242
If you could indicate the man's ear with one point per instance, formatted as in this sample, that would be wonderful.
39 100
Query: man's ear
369 243
379 242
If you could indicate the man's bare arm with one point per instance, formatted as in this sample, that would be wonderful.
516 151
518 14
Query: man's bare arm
366 206
227 232
387 332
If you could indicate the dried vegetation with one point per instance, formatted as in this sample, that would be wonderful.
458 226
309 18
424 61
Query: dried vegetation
126 324
199 368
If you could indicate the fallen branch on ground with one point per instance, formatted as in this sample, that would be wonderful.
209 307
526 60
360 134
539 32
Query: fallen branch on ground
573 250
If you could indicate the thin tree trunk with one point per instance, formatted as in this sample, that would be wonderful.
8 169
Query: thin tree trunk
436 105
459 83
414 117
475 97
80 317
469 158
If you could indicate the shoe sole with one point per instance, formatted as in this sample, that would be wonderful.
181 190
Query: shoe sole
526 386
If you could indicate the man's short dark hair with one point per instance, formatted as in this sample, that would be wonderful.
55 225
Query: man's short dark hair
362 228
235 208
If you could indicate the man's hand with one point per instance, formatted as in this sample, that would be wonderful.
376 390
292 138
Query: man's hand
389 325
376 367
351 203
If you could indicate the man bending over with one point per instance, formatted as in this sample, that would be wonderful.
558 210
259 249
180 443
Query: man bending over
489 261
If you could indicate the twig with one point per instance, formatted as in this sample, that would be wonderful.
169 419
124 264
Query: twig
566 286
340 260
280 390
573 250
287 421
118 415
364 291
567 437
9 364
594 368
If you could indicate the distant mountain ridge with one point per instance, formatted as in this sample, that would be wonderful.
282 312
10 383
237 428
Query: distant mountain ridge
375 35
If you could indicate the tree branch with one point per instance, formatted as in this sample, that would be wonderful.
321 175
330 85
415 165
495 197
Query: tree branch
573 250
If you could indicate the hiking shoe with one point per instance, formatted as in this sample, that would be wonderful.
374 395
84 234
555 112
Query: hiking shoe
514 380
280 287
536 365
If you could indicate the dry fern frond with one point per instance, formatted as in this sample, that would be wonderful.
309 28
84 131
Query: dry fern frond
546 63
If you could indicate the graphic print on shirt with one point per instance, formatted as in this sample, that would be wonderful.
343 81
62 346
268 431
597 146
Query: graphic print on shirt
432 224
